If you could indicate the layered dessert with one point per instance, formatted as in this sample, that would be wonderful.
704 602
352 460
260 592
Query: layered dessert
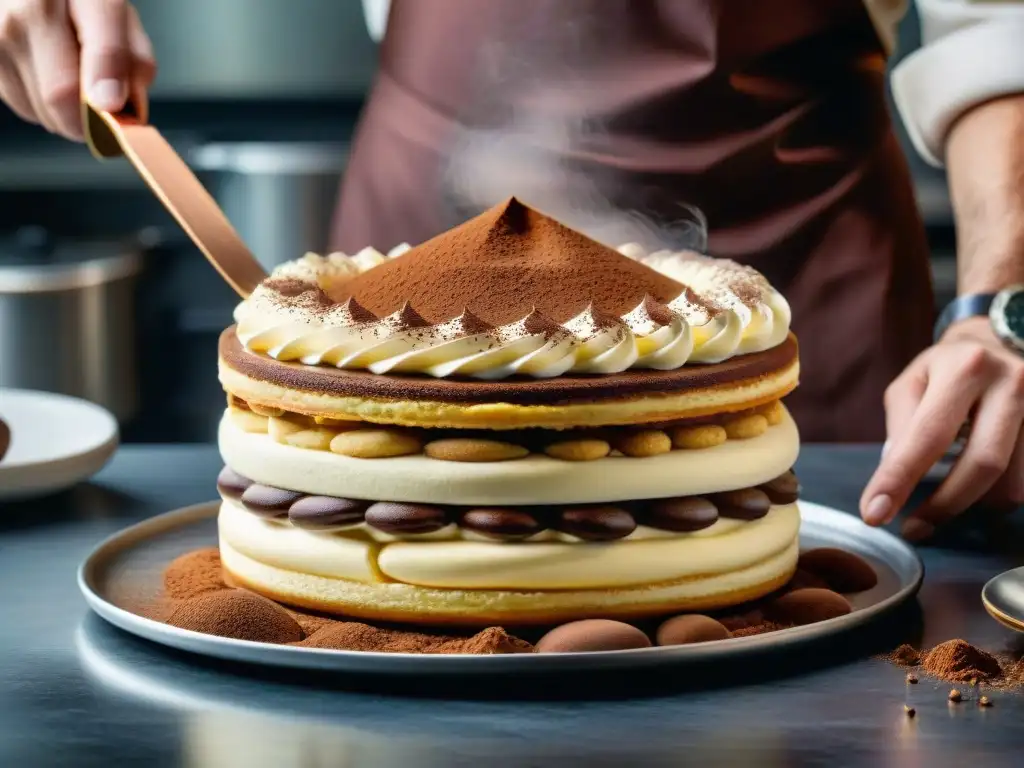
509 424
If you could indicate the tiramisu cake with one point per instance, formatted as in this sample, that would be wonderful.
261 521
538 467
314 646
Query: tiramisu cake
509 424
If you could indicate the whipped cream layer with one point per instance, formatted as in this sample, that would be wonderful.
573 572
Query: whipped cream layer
722 310
537 566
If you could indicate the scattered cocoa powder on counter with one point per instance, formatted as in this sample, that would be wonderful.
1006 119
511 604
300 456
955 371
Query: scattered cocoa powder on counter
904 656
959 661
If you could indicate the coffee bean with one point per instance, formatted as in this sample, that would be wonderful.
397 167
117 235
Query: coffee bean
506 524
401 517
231 484
784 489
598 523
807 606
265 501
592 635
692 628
318 513
744 504
841 570
691 513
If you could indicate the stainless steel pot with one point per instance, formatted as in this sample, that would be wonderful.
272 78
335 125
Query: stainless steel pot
67 320
279 196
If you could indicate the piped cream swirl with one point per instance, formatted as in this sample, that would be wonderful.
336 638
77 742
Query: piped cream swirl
723 310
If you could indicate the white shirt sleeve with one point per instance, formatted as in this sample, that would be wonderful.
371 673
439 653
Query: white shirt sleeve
971 52
376 12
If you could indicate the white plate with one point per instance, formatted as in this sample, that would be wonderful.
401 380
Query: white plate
56 441
127 570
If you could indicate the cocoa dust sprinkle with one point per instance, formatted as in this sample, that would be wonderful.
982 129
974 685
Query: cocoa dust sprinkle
957 661
505 263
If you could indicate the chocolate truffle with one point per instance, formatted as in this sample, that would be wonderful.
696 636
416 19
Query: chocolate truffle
592 635
692 628
401 517
596 523
239 614
784 489
269 502
806 606
319 513
841 570
682 515
743 504
501 523
231 484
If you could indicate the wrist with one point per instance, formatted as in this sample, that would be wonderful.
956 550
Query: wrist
968 328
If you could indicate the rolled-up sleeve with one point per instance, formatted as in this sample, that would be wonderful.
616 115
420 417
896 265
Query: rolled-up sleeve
971 52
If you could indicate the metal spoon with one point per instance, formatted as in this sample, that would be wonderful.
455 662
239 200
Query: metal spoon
128 134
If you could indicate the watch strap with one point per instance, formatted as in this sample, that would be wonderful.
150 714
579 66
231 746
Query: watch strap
961 308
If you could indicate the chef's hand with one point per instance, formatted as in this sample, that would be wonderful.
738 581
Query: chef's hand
51 49
968 374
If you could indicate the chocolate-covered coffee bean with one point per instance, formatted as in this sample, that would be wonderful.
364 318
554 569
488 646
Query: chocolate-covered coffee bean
269 502
400 517
784 489
497 523
744 504
596 523
321 513
682 515
232 485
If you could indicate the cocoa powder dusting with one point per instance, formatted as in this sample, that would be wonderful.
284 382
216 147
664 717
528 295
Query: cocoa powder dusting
905 656
355 636
503 264
959 661
199 598
758 629
194 574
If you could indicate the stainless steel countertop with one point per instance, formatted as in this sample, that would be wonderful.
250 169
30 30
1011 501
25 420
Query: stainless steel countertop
75 692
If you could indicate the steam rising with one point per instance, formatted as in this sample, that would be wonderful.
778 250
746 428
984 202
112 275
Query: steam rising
532 132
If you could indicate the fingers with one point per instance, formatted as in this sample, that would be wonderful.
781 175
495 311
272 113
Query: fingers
53 70
1008 492
103 33
144 61
901 401
12 90
925 437
986 458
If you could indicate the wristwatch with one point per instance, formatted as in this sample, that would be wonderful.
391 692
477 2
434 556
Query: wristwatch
1005 311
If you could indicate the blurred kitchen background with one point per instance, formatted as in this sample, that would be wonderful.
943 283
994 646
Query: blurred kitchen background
102 296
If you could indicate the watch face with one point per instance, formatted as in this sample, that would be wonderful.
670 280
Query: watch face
1014 313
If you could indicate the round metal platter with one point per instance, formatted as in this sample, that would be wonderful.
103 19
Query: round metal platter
126 570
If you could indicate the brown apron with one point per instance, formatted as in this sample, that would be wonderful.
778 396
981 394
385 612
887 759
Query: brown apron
770 118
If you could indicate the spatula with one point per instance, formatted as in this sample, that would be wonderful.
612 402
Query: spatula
129 134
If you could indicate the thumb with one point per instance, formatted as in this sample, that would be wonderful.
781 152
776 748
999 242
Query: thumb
103 34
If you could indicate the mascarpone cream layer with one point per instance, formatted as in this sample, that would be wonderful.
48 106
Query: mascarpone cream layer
725 310
536 566
536 479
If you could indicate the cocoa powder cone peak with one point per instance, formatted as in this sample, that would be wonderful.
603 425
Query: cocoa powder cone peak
503 264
